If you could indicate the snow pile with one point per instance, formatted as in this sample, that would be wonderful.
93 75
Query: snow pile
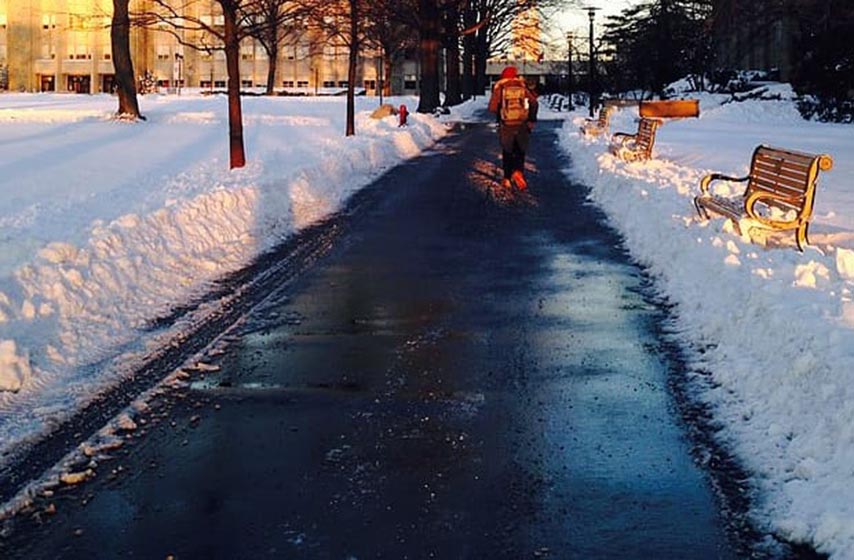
106 226
771 330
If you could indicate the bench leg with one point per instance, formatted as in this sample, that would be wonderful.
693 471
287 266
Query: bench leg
700 210
801 237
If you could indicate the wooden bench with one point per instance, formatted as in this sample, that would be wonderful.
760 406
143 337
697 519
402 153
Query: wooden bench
638 146
596 127
670 109
779 195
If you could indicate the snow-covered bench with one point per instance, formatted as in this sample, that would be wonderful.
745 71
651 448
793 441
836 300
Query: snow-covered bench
638 146
595 127
670 109
779 195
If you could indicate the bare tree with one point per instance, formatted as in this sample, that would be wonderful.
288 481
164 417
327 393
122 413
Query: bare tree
385 32
272 23
343 21
122 62
196 32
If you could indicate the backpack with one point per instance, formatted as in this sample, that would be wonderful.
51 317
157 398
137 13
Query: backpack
514 103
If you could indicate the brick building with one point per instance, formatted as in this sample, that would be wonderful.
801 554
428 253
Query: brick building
64 45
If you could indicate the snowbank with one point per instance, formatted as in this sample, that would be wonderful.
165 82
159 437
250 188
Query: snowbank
771 330
105 226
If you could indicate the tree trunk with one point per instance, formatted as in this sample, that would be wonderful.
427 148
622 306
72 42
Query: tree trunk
272 49
481 53
271 75
387 70
453 87
351 68
429 56
453 92
468 67
237 156
125 80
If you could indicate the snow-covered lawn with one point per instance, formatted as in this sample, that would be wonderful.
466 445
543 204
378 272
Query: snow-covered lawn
105 225
770 330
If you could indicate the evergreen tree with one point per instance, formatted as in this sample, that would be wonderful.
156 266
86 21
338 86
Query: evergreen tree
656 42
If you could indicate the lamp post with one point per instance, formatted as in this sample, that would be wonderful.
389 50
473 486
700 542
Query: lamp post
569 83
591 14
380 78
179 71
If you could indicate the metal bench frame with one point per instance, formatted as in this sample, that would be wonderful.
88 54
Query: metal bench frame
638 146
596 127
779 179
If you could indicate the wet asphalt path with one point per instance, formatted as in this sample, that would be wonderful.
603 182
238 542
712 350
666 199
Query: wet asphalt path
468 374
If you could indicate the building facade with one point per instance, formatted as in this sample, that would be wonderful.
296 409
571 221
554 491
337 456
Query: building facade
756 36
64 46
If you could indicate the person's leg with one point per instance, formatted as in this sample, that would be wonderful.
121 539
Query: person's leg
508 158
517 175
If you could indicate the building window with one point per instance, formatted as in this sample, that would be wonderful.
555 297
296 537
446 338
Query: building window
108 56
163 83
48 50
163 52
288 83
343 83
3 21
247 53
302 83
79 52
370 84
246 83
49 21
205 84
219 83
409 84
329 84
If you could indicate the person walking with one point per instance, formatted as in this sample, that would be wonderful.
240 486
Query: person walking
516 107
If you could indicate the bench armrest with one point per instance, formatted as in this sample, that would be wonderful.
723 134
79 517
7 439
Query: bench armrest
759 196
706 181
622 138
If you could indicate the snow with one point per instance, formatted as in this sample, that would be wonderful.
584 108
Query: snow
106 226
769 330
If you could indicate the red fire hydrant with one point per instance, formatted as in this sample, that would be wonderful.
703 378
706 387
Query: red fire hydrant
403 112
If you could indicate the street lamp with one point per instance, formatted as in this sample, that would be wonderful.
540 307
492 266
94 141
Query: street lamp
591 14
569 68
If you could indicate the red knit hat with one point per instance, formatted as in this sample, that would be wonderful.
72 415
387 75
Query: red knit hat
509 72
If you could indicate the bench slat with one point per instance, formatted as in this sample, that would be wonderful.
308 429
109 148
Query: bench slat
773 153
798 183
773 185
795 172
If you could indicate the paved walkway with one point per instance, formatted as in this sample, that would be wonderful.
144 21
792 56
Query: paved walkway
469 374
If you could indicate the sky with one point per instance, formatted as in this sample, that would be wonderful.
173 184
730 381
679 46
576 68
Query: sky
575 20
